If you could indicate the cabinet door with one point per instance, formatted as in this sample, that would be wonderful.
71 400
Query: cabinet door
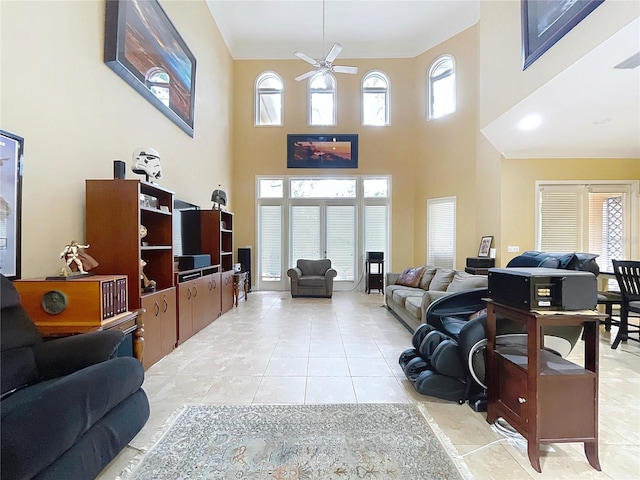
185 310
227 291
152 329
214 288
168 318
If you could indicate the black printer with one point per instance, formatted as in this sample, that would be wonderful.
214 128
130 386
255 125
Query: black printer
543 288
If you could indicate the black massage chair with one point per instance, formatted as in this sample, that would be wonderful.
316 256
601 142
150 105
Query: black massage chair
447 360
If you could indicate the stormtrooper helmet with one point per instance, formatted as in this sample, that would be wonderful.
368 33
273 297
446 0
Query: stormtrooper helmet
146 161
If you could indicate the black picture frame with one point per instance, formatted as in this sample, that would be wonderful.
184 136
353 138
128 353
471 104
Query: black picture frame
484 250
544 22
141 45
322 151
11 163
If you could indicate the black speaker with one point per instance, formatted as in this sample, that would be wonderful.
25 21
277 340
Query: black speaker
372 256
119 169
244 259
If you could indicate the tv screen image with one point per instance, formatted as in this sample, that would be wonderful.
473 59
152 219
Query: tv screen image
11 158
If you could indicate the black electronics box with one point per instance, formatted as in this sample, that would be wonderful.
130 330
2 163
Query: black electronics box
191 262
375 256
543 288
480 262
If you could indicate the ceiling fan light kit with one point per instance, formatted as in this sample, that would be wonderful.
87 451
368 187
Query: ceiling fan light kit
326 65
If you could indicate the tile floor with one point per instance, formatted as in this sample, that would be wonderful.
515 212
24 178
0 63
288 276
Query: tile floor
275 349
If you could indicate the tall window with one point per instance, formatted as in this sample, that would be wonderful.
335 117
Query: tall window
442 87
269 93
322 99
441 232
375 99
594 218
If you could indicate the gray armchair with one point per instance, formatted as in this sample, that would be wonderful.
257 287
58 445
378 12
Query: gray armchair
312 278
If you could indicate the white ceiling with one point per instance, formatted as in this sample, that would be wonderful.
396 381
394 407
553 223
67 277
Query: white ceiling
590 110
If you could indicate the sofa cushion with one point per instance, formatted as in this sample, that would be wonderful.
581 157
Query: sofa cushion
401 294
466 281
410 277
413 306
427 276
441 279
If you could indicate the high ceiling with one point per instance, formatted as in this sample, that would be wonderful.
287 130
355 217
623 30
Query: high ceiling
590 110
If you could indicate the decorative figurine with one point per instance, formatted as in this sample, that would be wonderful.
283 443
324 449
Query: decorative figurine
146 161
143 233
146 284
77 259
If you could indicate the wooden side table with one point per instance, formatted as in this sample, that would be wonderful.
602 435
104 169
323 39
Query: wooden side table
374 271
543 396
239 279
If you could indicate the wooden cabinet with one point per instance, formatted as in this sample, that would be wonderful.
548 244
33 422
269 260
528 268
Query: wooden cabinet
211 232
545 397
198 300
115 212
159 325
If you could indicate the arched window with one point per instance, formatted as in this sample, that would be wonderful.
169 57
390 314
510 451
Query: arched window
269 94
375 98
322 99
157 81
442 87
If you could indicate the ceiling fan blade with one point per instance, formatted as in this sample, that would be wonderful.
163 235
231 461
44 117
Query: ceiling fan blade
341 69
307 59
306 75
333 53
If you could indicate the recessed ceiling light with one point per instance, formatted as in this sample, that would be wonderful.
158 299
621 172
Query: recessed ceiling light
530 122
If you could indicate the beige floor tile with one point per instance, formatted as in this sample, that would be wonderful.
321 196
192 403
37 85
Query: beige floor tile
369 367
362 350
329 390
378 390
240 391
328 349
287 367
328 367
281 390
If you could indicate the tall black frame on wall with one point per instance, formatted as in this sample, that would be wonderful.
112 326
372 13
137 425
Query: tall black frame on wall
11 160
546 22
139 39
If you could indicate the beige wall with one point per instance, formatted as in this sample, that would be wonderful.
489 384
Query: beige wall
387 150
77 116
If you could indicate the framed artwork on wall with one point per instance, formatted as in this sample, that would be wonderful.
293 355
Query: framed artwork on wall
485 246
144 48
544 22
322 151
11 158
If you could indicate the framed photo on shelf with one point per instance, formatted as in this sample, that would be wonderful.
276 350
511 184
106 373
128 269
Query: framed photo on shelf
544 22
485 246
144 48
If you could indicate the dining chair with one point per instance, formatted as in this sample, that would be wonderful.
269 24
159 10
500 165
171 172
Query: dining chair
628 275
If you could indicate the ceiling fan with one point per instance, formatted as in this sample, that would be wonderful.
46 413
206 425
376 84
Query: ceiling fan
326 65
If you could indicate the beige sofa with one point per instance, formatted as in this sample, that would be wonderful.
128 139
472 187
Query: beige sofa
410 303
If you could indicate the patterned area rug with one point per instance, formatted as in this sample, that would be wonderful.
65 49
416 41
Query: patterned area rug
301 442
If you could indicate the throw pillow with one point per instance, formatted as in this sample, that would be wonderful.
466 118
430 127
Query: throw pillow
466 281
410 277
429 272
441 279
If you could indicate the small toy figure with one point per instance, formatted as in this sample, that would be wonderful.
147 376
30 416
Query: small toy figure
77 259
146 284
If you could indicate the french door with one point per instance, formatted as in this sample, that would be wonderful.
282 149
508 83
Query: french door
325 229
